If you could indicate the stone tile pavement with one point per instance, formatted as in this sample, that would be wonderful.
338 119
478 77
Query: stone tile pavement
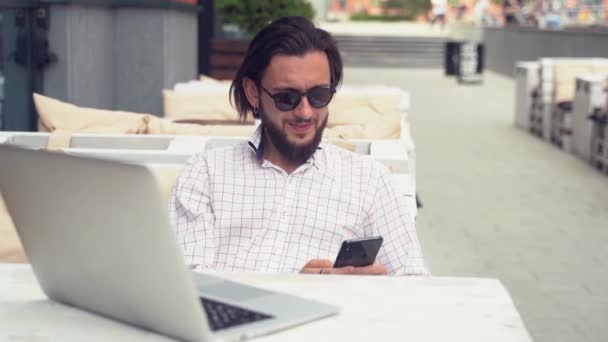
501 203
385 29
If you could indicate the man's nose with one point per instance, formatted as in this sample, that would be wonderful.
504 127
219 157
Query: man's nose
304 110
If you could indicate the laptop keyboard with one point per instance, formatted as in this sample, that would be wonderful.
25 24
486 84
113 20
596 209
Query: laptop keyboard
223 316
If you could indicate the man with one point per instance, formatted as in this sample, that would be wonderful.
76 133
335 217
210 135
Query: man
439 10
512 12
284 201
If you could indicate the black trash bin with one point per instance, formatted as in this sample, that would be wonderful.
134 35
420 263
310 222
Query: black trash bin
470 62
480 58
451 56
465 60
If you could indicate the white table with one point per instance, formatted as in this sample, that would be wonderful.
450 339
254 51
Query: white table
374 309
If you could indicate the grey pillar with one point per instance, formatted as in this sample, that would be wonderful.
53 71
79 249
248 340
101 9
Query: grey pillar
19 74
118 57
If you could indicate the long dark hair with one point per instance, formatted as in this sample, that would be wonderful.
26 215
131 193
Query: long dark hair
291 36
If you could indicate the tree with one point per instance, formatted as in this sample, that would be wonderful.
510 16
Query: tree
252 15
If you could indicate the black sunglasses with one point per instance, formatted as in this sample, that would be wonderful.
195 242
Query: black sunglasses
287 100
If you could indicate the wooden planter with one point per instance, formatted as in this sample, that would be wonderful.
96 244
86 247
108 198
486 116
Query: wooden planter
225 57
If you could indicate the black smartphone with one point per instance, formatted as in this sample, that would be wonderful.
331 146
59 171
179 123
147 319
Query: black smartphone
358 252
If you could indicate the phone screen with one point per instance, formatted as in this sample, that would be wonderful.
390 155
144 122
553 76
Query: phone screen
358 252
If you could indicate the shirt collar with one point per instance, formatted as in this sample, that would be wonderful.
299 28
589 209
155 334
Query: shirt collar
256 144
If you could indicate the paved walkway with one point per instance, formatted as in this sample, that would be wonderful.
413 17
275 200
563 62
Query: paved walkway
386 29
501 203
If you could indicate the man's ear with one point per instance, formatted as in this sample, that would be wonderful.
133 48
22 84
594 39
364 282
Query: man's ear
251 91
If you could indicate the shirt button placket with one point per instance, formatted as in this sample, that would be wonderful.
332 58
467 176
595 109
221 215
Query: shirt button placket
279 215
283 225
289 194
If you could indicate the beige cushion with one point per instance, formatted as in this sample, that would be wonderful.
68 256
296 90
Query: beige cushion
10 245
203 99
160 126
62 116
212 105
565 79
354 115
59 140
335 137
600 68
352 131
566 73
210 80
365 112
63 119
359 115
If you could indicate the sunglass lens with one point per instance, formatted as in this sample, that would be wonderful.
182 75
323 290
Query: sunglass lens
286 100
320 97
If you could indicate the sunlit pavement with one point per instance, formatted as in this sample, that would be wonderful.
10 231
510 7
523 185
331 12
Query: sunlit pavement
395 29
501 203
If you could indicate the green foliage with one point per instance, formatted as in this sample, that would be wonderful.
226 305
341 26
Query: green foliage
252 15
395 4
368 17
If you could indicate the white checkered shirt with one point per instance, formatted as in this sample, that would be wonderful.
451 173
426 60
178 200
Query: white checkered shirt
235 211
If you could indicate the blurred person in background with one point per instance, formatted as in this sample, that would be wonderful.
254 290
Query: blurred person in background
439 9
512 12
480 14
571 7
461 10
584 16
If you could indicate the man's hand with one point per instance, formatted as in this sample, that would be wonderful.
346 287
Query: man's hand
373 269
324 266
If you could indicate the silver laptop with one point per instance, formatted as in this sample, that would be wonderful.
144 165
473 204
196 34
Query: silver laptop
98 238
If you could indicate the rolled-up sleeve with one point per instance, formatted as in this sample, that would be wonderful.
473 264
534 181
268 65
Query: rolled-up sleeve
191 214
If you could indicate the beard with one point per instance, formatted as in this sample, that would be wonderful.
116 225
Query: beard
293 153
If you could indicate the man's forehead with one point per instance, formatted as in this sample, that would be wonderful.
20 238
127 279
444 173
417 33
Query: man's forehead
286 71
